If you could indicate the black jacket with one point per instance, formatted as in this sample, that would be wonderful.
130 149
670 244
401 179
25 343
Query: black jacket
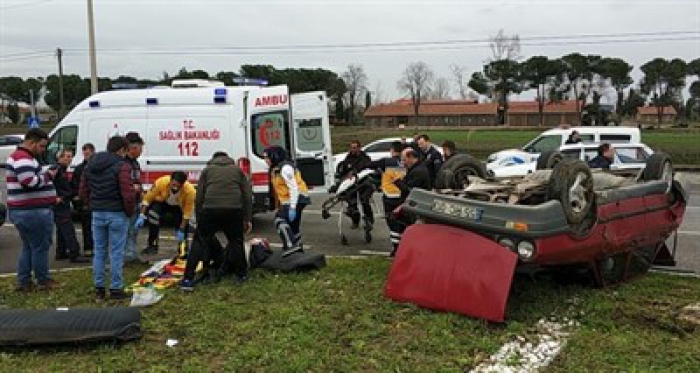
63 186
600 162
77 176
432 160
353 163
416 177
107 184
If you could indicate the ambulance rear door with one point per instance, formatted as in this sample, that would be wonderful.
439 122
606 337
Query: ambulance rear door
311 139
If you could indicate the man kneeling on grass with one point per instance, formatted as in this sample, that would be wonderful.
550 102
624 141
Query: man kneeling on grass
107 188
224 203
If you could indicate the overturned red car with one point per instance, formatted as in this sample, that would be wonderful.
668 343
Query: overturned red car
468 238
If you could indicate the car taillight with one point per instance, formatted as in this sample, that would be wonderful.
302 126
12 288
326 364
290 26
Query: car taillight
244 164
260 179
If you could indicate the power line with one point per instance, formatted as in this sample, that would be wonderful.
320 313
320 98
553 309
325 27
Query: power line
410 46
10 7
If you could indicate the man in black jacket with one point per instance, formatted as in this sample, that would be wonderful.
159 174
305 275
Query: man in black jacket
430 156
606 155
80 206
417 176
354 162
67 246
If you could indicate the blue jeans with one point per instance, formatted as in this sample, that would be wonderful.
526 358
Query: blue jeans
109 228
35 228
131 251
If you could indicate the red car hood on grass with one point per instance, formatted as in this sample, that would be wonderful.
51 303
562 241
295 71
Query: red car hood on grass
452 269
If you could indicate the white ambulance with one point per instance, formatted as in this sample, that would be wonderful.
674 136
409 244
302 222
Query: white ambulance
183 127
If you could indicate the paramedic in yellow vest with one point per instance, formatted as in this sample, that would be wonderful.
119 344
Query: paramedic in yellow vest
392 169
170 193
290 195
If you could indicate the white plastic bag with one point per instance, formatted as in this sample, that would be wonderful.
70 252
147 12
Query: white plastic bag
143 297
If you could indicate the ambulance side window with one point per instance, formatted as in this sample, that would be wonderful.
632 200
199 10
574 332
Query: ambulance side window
309 135
269 129
64 138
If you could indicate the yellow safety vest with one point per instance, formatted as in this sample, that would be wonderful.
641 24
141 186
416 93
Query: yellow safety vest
280 186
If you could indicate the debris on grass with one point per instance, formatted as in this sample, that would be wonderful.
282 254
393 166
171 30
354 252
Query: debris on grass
690 314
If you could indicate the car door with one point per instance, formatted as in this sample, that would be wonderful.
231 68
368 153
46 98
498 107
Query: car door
312 139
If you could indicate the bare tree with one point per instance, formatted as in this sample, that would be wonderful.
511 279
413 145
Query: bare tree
356 82
379 93
441 89
458 72
504 47
417 81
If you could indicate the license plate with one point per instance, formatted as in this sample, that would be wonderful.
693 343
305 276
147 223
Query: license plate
458 210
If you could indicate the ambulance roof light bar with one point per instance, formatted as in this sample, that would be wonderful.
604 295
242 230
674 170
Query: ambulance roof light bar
250 81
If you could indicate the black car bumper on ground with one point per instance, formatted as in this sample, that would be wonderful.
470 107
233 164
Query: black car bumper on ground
543 220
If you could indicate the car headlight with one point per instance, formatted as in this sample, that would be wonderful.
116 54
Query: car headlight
491 158
526 250
507 243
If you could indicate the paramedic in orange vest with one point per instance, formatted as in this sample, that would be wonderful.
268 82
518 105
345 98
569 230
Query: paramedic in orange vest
290 195
170 193
392 169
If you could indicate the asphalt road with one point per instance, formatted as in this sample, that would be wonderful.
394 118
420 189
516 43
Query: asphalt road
322 236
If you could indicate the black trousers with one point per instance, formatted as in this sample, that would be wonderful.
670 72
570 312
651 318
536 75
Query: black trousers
289 231
364 194
206 247
86 224
66 241
155 214
396 229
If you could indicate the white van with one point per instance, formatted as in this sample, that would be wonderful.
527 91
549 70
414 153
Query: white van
183 127
555 138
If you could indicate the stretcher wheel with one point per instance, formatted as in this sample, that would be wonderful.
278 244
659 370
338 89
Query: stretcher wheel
344 240
325 214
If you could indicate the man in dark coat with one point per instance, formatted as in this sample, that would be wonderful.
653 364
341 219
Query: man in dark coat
605 158
354 162
67 246
78 204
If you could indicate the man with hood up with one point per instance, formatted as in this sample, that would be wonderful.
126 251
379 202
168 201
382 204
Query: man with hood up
108 189
290 195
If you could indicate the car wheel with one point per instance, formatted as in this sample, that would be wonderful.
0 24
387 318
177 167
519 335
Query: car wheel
454 174
571 183
659 167
548 160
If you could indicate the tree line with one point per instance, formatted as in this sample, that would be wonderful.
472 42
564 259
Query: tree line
583 78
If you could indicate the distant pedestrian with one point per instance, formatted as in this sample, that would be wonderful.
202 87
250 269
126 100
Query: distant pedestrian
30 196
67 246
108 189
132 158
78 204
449 149
574 138
605 158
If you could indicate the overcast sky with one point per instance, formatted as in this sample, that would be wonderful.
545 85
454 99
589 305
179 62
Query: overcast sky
182 30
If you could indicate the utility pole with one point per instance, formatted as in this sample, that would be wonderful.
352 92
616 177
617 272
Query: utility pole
59 55
93 54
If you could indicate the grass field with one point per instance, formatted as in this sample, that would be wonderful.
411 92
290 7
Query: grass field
336 319
684 146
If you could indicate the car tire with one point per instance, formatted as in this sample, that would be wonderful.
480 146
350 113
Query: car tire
455 172
571 183
548 160
659 167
